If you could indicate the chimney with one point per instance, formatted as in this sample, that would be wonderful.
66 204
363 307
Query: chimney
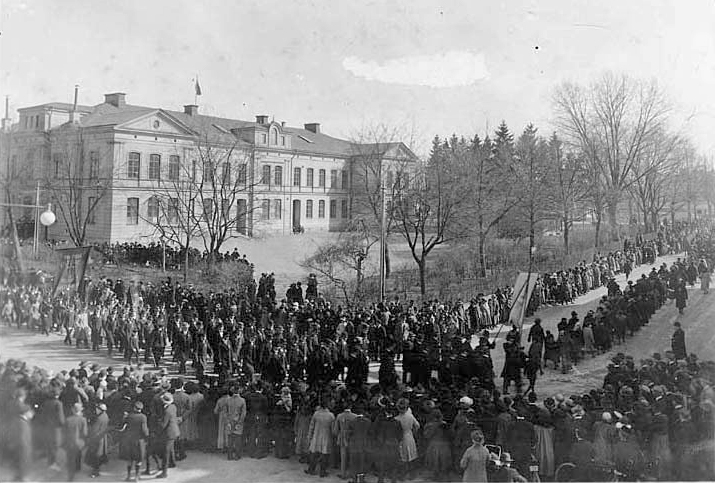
191 109
6 121
74 105
313 127
117 99
283 124
263 119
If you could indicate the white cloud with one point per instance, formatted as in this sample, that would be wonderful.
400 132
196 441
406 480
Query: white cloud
448 69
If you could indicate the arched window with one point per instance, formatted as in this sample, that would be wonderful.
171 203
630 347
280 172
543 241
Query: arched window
274 136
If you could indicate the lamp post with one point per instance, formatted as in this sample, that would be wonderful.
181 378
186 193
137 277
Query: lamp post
46 218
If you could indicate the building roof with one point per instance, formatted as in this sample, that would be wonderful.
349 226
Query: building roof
302 140
62 106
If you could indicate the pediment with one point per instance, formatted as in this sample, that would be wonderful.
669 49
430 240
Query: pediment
158 122
400 151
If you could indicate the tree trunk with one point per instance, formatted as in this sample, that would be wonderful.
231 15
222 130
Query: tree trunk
566 232
423 268
613 219
387 261
597 241
646 221
186 258
482 243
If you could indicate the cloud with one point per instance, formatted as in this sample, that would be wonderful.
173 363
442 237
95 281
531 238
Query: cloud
448 69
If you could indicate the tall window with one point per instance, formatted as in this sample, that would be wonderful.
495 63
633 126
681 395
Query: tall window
277 208
193 170
265 209
174 167
309 177
344 181
283 140
309 209
154 166
173 210
278 176
208 173
152 211
134 165
226 174
333 178
321 209
344 208
333 209
91 210
93 165
296 176
242 174
266 178
132 211
208 206
321 178
57 161
226 209
274 136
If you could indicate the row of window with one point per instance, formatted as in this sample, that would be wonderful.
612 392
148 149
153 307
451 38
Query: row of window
154 172
337 181
59 161
270 209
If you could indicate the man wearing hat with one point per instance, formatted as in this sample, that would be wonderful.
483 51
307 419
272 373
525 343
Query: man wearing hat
75 437
506 472
677 342
169 431
97 440
132 447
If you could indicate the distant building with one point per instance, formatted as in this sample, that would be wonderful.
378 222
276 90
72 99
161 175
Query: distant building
130 170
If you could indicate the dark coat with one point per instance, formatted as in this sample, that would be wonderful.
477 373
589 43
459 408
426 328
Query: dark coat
359 434
678 344
97 440
133 443
169 423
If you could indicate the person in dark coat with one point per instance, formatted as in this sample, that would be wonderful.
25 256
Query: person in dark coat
256 426
520 439
53 421
359 442
132 447
681 295
97 440
677 342
387 435
75 437
168 433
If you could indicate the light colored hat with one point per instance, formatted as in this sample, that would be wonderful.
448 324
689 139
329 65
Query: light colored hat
102 406
506 458
467 401
167 398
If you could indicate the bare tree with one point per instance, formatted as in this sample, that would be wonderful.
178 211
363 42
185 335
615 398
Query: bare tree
427 210
348 253
77 180
570 187
381 158
655 172
611 121
205 197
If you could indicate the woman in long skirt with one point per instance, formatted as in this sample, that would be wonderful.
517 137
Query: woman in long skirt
408 446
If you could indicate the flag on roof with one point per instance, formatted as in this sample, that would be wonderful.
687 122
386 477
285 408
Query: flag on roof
197 87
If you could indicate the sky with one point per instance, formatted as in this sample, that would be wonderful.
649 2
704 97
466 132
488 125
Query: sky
422 67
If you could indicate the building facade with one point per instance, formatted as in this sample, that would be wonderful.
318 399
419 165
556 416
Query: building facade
118 172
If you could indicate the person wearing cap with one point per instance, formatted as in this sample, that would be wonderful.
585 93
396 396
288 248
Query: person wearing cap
465 421
97 444
359 442
605 435
474 459
53 418
132 446
169 432
506 472
408 446
75 438
340 433
21 429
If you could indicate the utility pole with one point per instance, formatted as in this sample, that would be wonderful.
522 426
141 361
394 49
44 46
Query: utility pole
383 229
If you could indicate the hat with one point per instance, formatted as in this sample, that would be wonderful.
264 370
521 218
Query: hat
77 407
167 398
83 363
467 401
138 406
95 367
102 406
506 458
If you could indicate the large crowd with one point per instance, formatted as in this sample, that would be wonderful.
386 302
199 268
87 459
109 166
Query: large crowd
292 379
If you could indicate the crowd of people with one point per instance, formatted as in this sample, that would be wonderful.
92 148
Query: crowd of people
293 379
